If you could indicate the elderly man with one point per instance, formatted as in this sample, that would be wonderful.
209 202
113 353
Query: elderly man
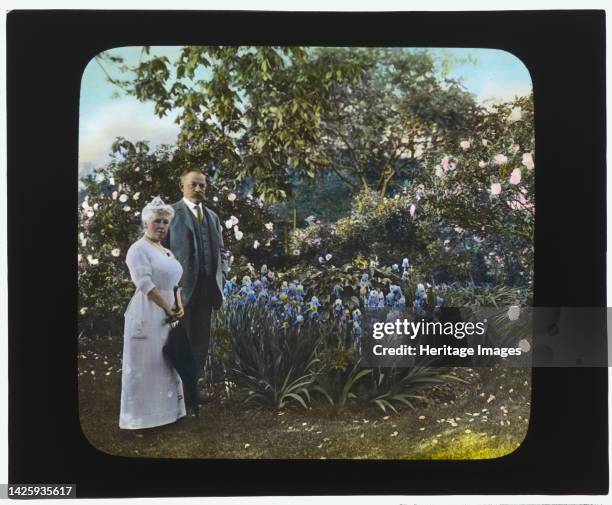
195 238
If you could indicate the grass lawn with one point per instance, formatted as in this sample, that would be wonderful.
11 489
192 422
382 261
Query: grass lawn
486 418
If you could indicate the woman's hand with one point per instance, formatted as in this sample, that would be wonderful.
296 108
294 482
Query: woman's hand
180 312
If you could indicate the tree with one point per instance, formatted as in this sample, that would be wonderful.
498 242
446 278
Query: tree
377 127
272 115
246 112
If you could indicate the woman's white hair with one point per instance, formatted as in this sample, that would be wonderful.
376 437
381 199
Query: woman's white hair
154 208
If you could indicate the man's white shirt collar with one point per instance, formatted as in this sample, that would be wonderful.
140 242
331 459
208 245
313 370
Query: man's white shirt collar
192 206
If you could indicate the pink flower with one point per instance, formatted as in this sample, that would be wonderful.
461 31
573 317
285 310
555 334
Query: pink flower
445 163
515 176
495 188
464 144
528 161
114 195
500 159
412 210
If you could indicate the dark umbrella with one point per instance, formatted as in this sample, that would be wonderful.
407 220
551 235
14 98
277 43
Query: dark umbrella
178 350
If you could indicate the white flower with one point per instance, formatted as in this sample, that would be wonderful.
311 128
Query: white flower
482 164
127 208
296 252
229 223
123 198
137 169
256 244
269 226
321 260
231 197
500 159
136 196
514 312
515 176
85 205
237 233
328 257
464 144
514 148
79 257
215 199
412 210
111 180
95 206
116 252
528 161
495 188
515 115
485 142
440 172
83 310
92 260
234 220
90 213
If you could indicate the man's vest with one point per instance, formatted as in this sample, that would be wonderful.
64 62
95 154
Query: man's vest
205 255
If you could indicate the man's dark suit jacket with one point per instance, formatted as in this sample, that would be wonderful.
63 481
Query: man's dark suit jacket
182 241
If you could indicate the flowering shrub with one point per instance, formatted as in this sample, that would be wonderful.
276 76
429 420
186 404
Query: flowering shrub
465 214
109 222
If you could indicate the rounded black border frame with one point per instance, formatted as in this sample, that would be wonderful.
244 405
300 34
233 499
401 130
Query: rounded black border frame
566 448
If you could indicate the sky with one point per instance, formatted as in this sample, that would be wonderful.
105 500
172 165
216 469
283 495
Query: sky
490 74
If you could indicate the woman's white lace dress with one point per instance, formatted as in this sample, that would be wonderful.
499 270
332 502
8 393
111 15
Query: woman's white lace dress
151 390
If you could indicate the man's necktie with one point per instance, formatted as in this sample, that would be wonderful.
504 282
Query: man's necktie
199 213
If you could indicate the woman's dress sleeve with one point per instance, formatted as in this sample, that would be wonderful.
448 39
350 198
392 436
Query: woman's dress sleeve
140 268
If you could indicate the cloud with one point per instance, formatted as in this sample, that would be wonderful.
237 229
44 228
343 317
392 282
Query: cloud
126 118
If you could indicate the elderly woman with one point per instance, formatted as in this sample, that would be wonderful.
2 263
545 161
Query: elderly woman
151 390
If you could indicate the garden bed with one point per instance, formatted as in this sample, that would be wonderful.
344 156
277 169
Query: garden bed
485 417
